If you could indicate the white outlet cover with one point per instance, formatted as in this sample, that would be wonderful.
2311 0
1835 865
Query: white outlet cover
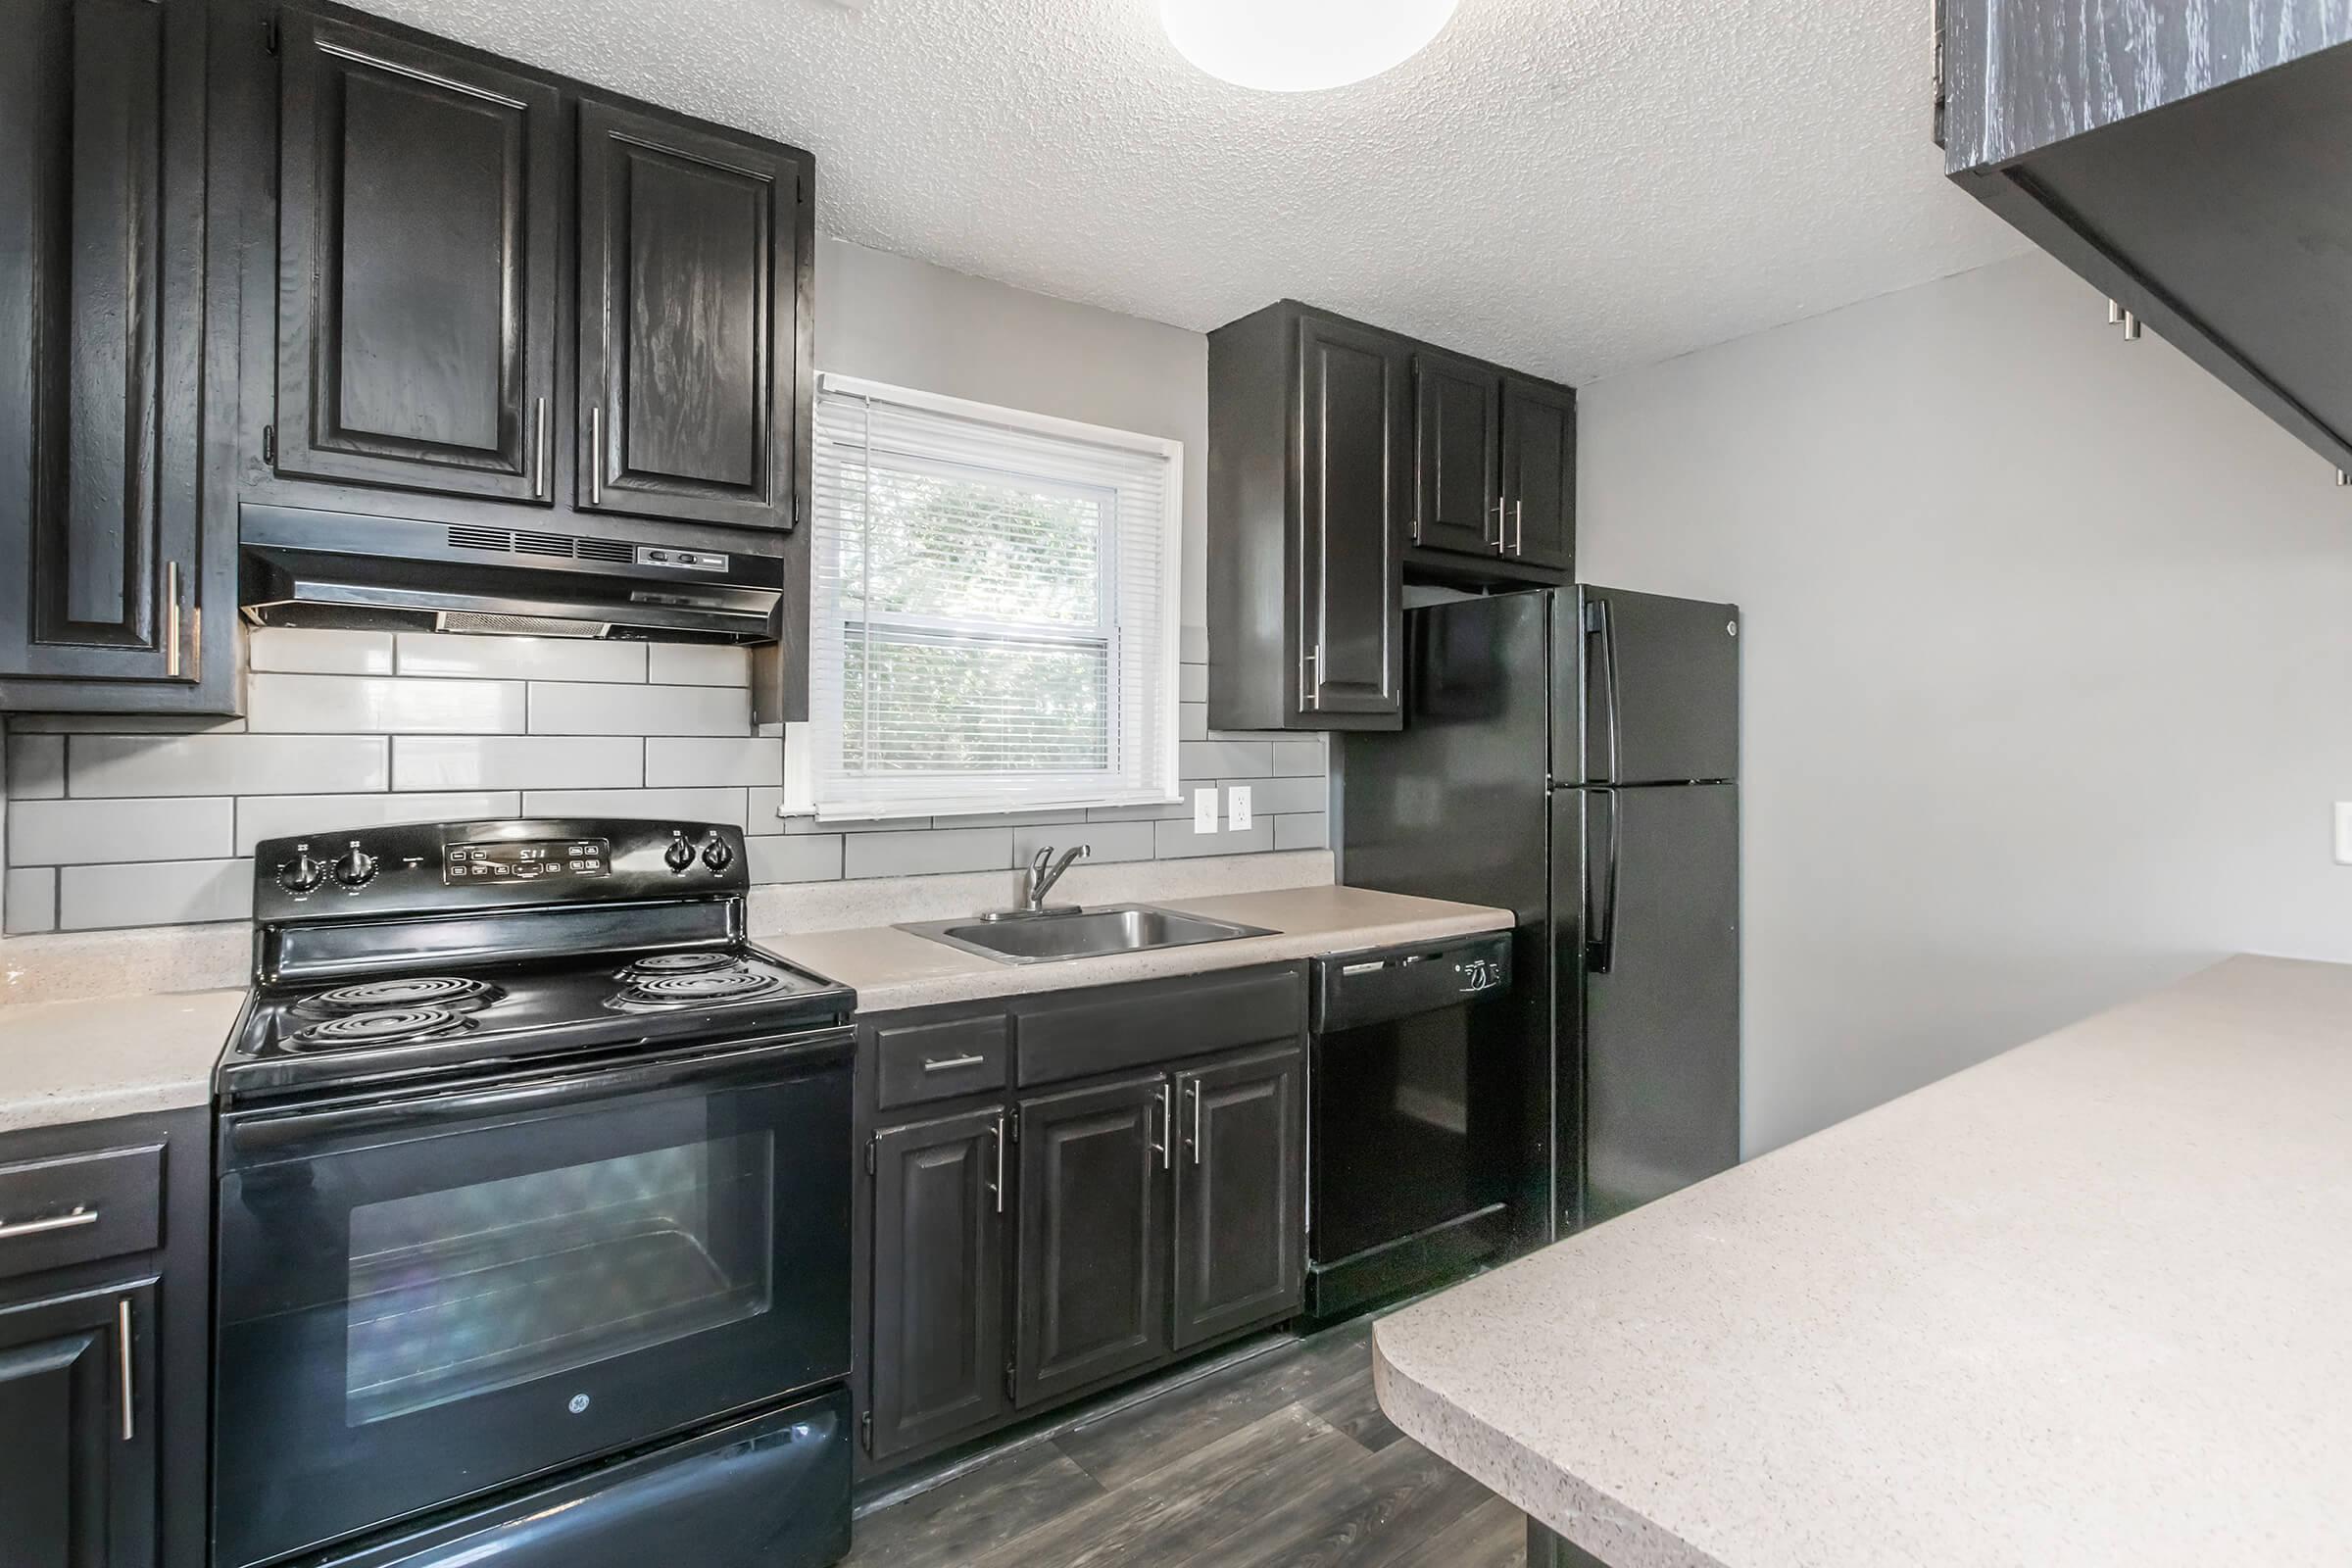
1236 811
2343 832
1204 810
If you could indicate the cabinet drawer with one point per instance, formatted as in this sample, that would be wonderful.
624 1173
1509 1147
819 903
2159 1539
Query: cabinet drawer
940 1059
1146 1025
72 1209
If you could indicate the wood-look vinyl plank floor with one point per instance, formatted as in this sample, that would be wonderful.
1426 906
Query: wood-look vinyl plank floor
1282 1462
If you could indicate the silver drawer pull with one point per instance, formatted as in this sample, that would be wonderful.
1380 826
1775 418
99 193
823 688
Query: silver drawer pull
952 1063
10 1229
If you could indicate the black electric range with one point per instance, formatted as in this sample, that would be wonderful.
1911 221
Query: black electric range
532 1208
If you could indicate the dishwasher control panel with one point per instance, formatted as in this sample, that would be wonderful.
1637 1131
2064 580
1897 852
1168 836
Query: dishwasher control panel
1360 988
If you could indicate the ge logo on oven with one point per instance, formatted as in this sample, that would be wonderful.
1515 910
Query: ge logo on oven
578 1405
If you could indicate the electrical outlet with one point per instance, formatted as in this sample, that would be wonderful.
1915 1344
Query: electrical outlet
1204 810
1237 812
2343 832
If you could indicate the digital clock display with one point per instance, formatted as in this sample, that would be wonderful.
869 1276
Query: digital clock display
528 861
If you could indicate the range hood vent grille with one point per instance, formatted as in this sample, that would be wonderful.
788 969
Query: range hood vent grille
517 542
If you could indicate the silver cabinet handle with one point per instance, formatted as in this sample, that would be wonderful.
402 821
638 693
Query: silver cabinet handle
172 619
1165 1149
1310 677
1519 526
999 1164
539 452
1194 1089
1503 532
596 455
952 1063
131 1429
10 1229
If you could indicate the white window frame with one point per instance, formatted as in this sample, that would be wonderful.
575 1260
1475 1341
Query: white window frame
954 795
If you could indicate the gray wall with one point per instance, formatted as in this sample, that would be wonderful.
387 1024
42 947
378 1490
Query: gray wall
2048 681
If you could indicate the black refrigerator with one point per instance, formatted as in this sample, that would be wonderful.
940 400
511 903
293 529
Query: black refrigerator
1572 755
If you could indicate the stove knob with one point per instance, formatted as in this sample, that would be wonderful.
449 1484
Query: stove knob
716 856
679 855
357 867
303 875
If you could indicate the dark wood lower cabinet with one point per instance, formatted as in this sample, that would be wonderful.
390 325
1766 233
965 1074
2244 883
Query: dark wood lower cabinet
1240 1214
78 1483
1094 1236
939 1280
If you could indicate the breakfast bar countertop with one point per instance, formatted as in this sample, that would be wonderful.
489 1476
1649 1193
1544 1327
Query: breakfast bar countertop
2083 1304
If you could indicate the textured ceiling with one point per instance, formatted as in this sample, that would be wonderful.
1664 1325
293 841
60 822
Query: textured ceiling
1574 186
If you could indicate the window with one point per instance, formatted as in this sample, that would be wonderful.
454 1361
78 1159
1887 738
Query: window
993 621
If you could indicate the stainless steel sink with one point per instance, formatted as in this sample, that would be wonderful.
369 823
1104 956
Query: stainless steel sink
1082 934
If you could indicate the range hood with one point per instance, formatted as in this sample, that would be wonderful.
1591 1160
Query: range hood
307 568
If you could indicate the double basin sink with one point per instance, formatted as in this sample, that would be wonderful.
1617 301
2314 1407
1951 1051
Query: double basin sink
1082 933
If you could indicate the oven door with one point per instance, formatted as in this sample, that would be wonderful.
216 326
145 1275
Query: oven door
423 1298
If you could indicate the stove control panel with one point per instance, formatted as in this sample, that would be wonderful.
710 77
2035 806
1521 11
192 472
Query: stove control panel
525 860
442 868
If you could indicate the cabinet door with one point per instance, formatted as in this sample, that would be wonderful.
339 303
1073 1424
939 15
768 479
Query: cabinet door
420 222
1352 504
691 254
1241 1217
77 1414
939 1280
1094 1236
101 339
1538 474
1456 490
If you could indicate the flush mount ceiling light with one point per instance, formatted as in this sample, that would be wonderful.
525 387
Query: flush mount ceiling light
1302 45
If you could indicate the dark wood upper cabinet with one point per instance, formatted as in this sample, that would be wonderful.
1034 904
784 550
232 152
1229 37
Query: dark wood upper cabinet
939 1352
1094 1236
1240 1213
1537 515
1458 417
79 1430
1351 629
689 370
102 573
420 217
2192 163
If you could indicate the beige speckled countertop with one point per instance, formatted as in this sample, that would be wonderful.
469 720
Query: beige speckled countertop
890 969
2085 1303
66 1062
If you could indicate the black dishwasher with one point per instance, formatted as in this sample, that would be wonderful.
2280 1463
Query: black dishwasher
1413 1095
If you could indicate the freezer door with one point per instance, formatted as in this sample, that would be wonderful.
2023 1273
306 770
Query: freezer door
1648 689
1655 904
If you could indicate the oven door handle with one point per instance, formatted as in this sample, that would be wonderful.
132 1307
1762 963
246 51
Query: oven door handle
264 1136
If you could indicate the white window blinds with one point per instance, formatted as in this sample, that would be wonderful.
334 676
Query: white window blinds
993 622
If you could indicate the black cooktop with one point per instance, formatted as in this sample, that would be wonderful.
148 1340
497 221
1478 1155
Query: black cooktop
381 1029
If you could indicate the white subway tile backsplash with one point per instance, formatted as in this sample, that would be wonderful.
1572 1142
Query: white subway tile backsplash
124 724
278 816
305 652
225 764
35 766
698 664
1273 797
1010 818
1104 841
1226 759
813 858
1192 683
516 762
1302 832
1177 840
677 805
333 705
559 708
1192 645
425 653
169 893
761 811
692 761
1300 759
97 832
28 901
931 853
1191 721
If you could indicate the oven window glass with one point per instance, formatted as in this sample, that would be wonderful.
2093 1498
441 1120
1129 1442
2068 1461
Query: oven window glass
460 1292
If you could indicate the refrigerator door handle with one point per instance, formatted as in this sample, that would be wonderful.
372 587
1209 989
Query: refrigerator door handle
1600 928
1598 627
